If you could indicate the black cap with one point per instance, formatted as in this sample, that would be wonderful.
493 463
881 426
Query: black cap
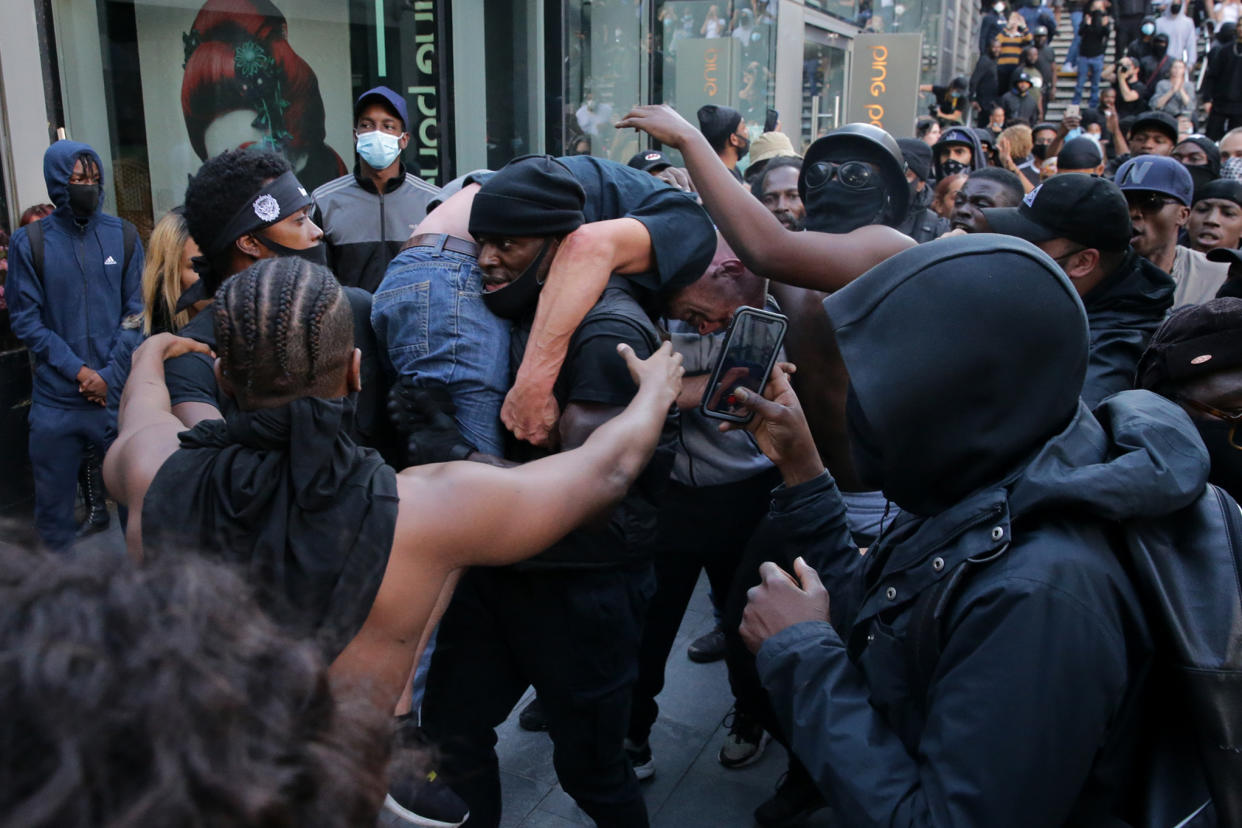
532 195
865 142
1225 188
918 156
1081 208
717 123
1194 341
1021 76
1080 153
1162 121
1045 125
649 161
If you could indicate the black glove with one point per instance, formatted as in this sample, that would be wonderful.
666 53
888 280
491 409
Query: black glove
423 416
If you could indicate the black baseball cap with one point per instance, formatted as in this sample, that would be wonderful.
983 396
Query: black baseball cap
1196 340
1080 153
1162 121
649 161
1074 206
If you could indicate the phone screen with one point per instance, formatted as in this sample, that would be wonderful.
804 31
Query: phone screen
769 123
750 350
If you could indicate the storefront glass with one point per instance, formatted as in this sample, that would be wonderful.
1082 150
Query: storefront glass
693 52
158 86
823 84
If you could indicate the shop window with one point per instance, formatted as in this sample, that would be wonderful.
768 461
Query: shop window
823 84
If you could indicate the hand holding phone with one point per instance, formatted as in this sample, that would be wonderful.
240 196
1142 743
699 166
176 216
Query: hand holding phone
750 349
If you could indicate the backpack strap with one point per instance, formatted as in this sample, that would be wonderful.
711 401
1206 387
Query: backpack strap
34 232
129 236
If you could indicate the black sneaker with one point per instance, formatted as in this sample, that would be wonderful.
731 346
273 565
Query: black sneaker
426 802
796 798
531 718
640 758
745 741
707 648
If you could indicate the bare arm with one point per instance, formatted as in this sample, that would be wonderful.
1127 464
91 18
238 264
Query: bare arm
147 427
820 261
462 514
191 414
584 262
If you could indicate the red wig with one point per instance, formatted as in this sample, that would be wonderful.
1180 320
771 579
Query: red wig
211 88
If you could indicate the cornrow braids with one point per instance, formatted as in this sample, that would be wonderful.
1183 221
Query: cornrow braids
284 329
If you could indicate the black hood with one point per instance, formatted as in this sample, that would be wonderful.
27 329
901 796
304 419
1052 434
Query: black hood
965 356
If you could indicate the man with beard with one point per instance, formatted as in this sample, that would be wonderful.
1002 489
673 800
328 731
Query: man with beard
852 182
983 190
1159 191
1221 90
921 224
1216 216
777 188
1083 223
957 151
725 129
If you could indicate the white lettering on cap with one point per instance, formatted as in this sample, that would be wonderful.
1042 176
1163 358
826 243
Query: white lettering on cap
1029 198
266 207
651 156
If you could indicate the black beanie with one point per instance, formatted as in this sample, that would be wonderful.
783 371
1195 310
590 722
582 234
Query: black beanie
717 123
918 156
532 195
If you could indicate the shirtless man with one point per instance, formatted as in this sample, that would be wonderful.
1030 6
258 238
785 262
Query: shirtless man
338 523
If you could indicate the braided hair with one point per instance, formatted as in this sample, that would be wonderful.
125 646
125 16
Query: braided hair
284 329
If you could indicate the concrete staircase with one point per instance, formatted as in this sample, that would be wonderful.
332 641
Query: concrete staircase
1066 83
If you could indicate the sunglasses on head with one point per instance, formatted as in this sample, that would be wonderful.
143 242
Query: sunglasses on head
856 175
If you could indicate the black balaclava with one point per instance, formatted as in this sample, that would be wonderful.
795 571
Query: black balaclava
833 207
864 446
1159 46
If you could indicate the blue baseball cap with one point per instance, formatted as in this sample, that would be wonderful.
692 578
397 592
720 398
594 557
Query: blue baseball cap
389 97
1158 174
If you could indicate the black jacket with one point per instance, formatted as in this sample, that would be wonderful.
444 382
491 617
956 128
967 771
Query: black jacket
1123 312
984 85
1045 649
1222 82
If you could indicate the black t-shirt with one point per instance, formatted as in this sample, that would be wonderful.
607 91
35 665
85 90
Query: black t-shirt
191 377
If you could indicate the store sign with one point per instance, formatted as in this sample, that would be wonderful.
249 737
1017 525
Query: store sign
884 82
708 72
422 97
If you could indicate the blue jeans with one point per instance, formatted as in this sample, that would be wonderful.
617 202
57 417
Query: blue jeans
1071 56
58 439
1094 65
429 318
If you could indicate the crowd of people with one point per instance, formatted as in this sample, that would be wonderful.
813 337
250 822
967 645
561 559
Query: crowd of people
375 484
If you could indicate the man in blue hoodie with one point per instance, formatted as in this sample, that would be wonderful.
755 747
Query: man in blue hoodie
68 290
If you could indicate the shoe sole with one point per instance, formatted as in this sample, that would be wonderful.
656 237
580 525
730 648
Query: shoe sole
749 760
700 657
395 808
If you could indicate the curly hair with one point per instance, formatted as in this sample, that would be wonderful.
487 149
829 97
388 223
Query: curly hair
162 695
284 329
217 191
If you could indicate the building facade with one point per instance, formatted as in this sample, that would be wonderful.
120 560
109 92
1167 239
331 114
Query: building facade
157 86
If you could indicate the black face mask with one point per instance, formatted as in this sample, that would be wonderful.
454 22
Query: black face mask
518 298
1040 151
1173 9
315 254
864 447
833 207
1226 460
83 199
1159 49
952 167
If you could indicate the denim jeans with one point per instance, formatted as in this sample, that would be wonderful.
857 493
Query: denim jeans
1094 65
429 318
1071 55
58 439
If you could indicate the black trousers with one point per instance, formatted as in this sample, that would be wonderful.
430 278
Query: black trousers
573 635
704 527
1218 123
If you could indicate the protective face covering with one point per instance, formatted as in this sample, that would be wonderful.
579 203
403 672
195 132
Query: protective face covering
1175 9
1219 436
378 149
519 297
833 207
83 199
1040 151
952 167
315 254
1158 49
864 447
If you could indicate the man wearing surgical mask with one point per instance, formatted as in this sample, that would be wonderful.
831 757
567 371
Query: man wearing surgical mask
366 216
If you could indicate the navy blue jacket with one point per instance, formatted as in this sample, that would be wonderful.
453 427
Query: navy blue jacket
72 317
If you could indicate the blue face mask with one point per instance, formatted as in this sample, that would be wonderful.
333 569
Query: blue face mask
378 149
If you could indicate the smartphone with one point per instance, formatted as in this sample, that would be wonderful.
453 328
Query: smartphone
769 123
750 349
1073 111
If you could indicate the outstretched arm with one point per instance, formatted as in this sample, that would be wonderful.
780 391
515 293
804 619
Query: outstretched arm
463 514
584 261
820 261
147 428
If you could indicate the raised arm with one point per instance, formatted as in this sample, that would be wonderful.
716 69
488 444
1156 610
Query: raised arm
585 260
147 429
820 261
